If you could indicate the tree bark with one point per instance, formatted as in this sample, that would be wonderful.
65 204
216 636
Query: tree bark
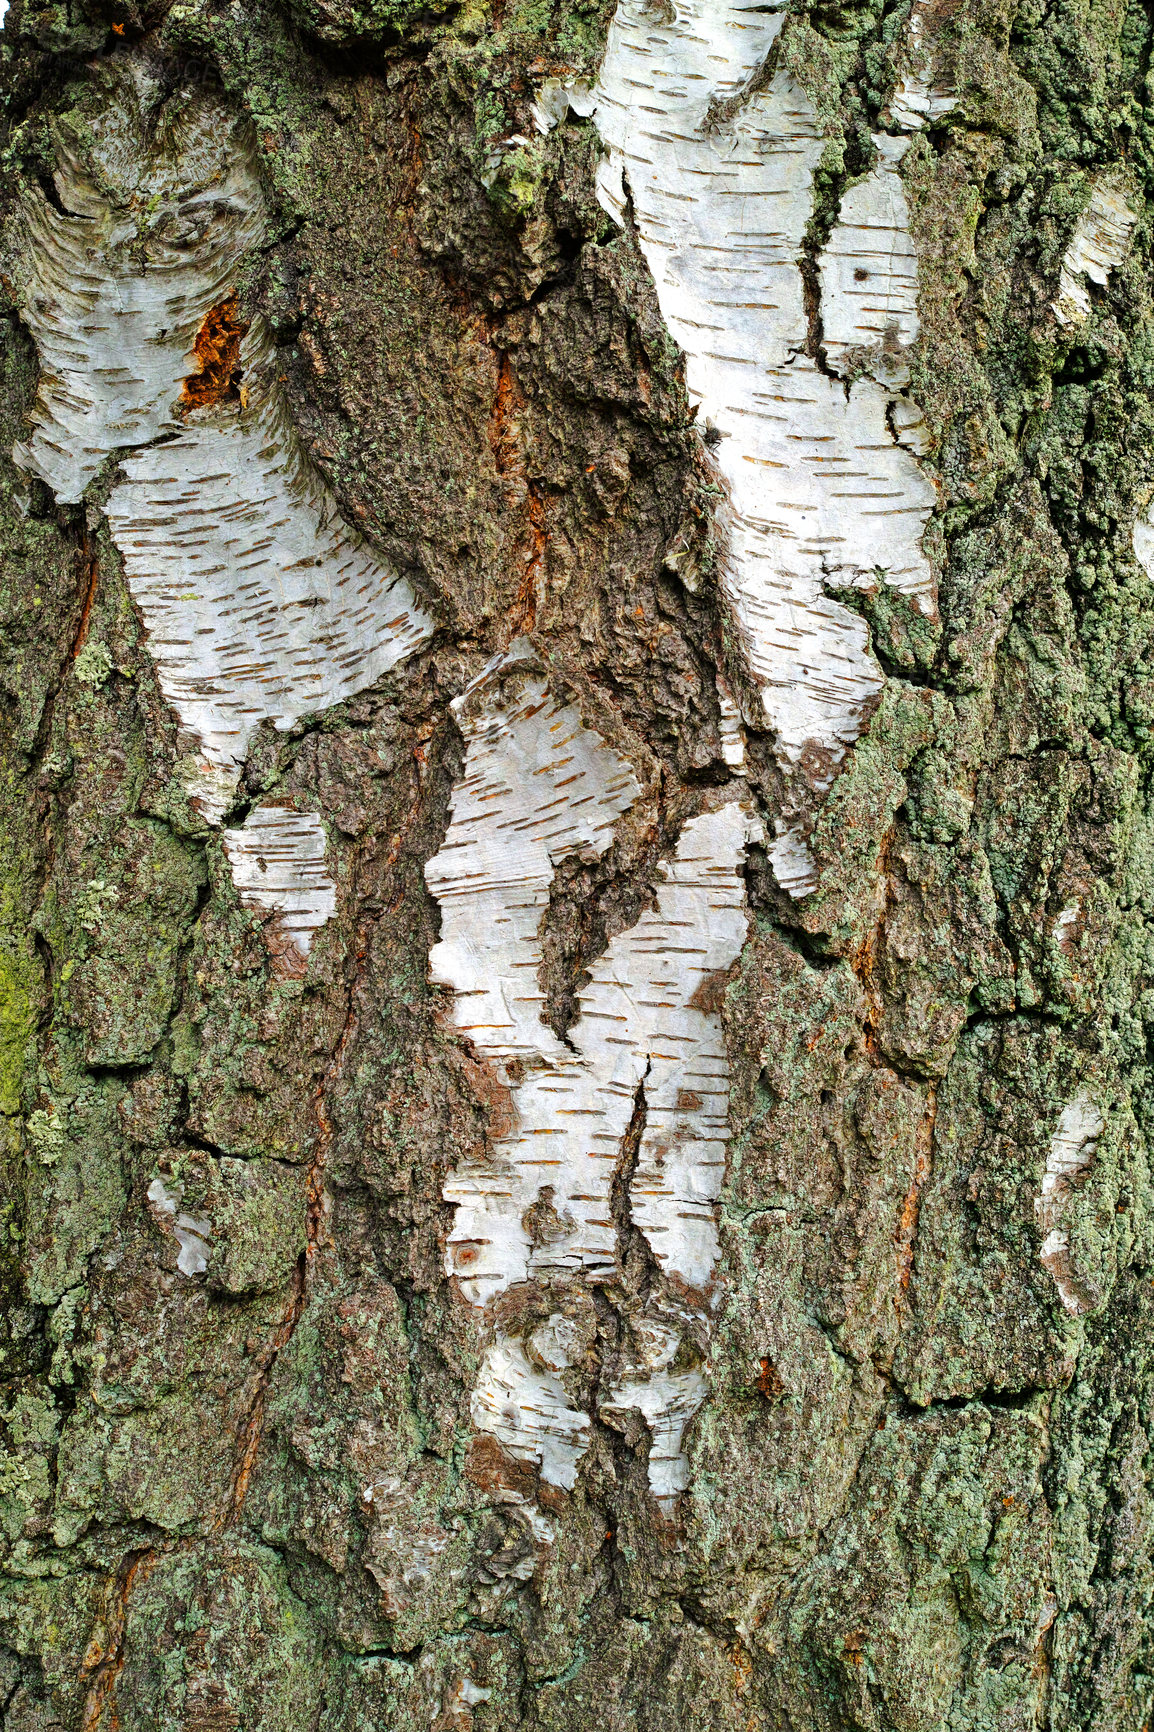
575 937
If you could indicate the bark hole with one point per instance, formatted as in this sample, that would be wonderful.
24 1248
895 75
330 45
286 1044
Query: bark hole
217 352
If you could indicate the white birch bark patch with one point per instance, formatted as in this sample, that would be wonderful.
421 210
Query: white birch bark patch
823 493
920 97
277 858
668 1400
520 1400
116 283
536 1203
651 1014
538 786
1143 541
1072 1149
191 1232
1099 244
259 602
869 275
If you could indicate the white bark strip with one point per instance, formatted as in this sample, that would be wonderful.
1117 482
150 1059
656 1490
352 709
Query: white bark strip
572 1107
113 298
1071 1151
278 866
648 1015
260 603
919 97
1100 242
191 1232
538 786
869 275
520 1400
536 1204
822 493
1143 540
668 1400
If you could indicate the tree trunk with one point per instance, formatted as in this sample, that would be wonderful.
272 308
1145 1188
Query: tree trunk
578 866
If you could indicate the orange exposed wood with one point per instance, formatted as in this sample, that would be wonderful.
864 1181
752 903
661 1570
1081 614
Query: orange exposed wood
217 351
92 582
769 1381
506 442
104 1664
907 1232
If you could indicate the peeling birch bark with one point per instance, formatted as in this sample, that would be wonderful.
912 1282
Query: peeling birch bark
1100 242
260 603
732 732
1143 541
1071 1151
919 99
191 1232
277 858
520 1400
667 1399
114 298
539 785
571 1110
651 1013
869 276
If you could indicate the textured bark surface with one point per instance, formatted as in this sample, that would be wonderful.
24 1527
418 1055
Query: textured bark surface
577 843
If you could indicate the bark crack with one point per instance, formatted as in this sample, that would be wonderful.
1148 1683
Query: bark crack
106 1664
